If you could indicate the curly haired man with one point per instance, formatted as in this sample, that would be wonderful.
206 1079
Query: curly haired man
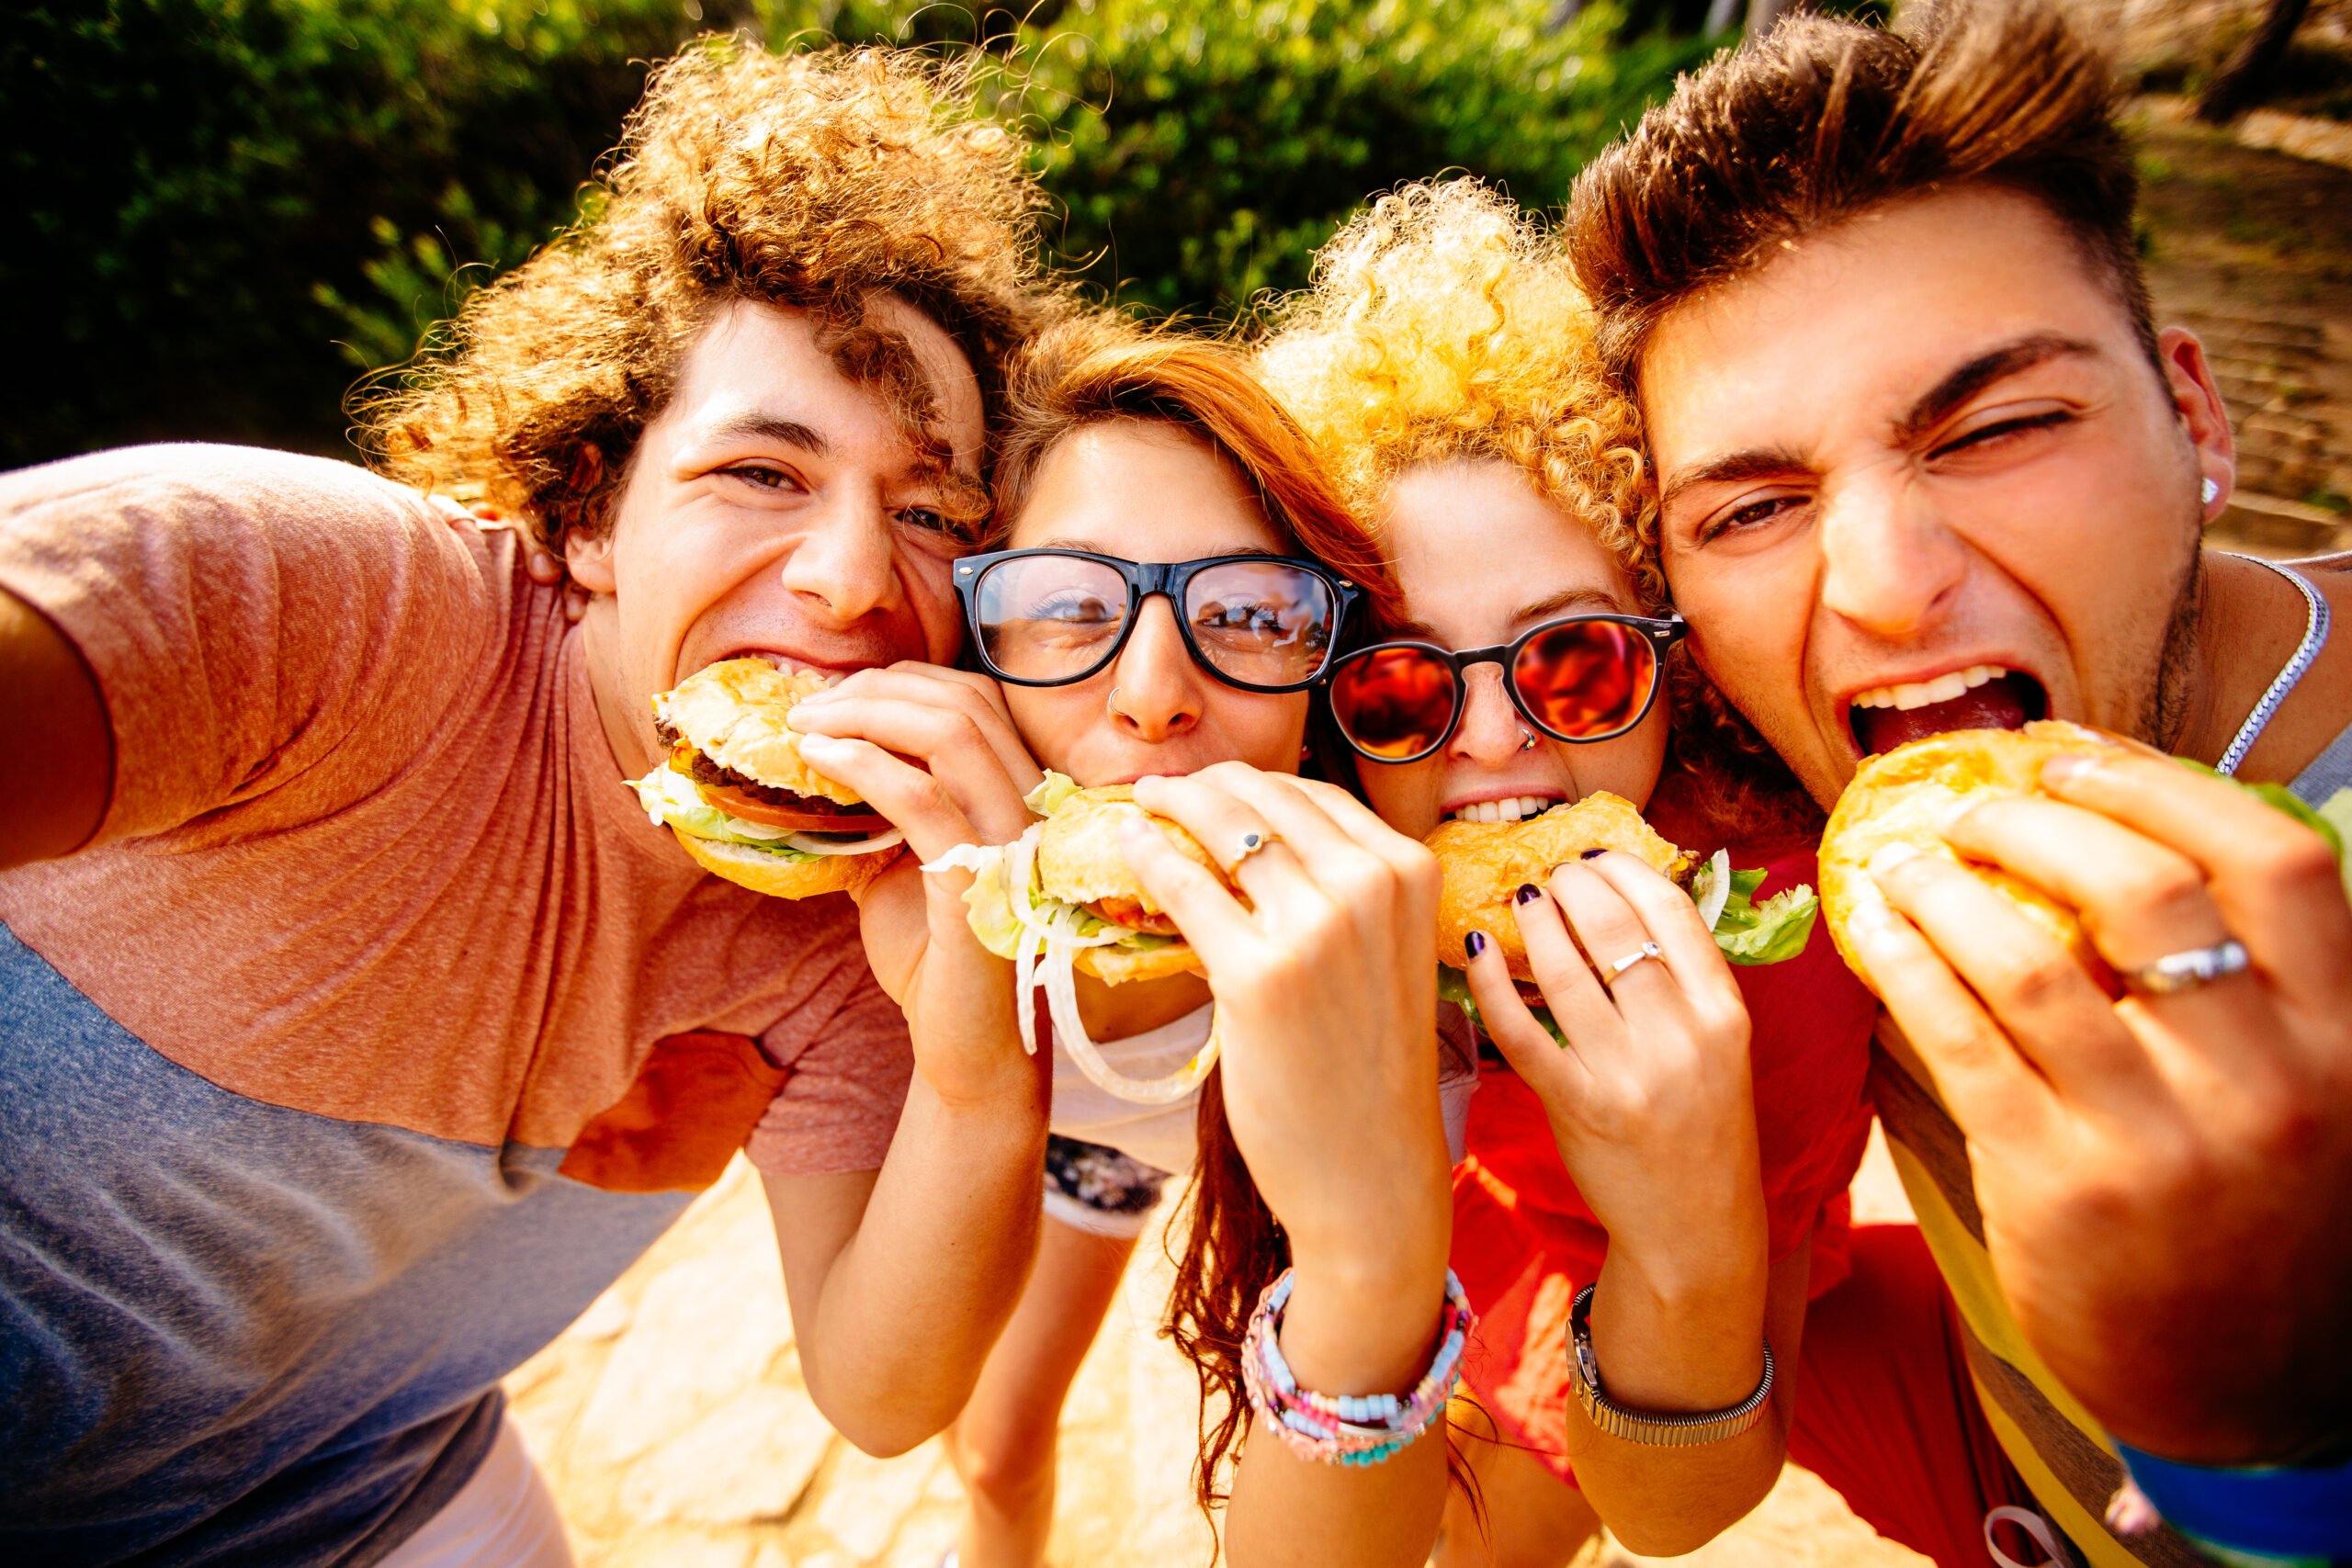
357 1028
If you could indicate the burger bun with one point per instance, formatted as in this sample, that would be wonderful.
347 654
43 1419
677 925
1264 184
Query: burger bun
1079 857
733 712
1485 864
1905 795
781 877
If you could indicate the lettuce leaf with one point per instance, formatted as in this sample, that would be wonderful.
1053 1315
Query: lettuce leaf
670 799
2284 799
989 905
1770 933
2337 813
1454 986
1047 797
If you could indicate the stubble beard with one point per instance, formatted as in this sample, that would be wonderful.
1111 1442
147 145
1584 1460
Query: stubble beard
2163 714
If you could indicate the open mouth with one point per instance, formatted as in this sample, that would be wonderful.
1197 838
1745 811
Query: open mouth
783 662
1983 696
1516 808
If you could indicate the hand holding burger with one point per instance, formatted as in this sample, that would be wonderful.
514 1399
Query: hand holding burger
2128 983
739 798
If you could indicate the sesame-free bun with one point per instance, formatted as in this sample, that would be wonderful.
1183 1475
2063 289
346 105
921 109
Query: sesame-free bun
1484 863
1117 965
781 877
1079 859
733 712
1904 796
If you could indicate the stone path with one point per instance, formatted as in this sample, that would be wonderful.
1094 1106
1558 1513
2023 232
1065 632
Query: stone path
673 1425
2253 250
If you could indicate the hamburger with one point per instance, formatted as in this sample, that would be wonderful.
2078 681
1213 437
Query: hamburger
739 799
1485 864
1060 900
1907 794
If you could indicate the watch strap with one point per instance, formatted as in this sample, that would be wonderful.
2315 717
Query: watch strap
1656 1428
2282 1512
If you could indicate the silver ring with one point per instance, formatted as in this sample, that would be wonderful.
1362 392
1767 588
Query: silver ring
2187 970
1251 844
1112 703
1526 740
1648 950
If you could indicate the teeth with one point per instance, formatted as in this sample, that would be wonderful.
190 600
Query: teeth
1516 808
1920 693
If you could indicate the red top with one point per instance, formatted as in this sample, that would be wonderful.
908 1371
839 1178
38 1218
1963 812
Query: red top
1524 1242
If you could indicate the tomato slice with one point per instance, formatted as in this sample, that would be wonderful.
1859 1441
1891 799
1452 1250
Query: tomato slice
735 803
1130 913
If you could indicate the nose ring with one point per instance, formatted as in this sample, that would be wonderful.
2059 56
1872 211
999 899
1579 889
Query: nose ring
1526 740
1112 703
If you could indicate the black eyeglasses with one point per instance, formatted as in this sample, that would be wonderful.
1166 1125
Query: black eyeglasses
1053 617
1580 678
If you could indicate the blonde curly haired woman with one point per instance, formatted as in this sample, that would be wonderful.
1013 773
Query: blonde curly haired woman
1442 364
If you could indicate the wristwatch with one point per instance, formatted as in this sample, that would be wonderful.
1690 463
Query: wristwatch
1640 1427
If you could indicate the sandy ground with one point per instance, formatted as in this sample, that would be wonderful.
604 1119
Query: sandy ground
673 1424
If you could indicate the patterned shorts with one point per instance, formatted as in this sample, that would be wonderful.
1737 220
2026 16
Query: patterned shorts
1091 1188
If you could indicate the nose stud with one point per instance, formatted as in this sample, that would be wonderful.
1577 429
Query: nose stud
1112 703
1526 740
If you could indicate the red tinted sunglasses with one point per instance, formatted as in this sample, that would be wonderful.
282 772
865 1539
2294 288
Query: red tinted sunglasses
1580 678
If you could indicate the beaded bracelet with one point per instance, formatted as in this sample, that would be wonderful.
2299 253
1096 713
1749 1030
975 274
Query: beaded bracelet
1356 1430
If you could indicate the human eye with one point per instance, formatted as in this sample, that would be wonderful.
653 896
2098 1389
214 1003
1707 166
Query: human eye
1073 607
764 477
1999 434
1751 516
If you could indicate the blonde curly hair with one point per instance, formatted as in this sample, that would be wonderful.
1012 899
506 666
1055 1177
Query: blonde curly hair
1444 324
811 181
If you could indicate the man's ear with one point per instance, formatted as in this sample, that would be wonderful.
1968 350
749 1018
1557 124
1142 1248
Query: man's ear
2204 417
589 557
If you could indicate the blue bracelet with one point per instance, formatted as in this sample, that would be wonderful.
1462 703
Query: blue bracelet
2296 1513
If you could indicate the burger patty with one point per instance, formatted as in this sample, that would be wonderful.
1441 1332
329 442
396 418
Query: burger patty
706 771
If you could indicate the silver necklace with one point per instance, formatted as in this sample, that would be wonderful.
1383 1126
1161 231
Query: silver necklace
2306 654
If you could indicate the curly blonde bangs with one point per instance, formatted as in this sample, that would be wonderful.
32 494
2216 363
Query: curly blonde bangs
1443 324
809 181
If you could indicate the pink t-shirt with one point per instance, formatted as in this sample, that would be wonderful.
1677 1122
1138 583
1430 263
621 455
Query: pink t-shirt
369 856
376 1032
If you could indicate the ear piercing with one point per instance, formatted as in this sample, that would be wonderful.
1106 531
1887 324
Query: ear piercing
2212 489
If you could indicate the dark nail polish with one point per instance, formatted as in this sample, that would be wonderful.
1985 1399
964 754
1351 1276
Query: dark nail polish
1593 853
1527 893
1475 944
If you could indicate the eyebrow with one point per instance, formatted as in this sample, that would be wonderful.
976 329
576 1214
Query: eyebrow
792 433
1565 602
1092 548
1994 365
1936 405
1733 467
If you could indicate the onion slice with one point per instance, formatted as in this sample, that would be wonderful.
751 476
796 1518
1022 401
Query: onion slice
810 844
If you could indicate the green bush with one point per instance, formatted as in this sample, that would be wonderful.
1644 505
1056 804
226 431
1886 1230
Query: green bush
225 209
1202 153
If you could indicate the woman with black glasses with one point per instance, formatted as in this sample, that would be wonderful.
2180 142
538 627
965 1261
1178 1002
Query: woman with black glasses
1170 578
1657 1196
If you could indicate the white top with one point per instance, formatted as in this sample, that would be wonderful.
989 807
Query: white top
1162 1135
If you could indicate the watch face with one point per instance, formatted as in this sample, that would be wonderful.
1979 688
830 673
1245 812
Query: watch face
1588 1370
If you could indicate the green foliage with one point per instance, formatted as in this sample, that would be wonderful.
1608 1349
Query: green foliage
224 209
1202 152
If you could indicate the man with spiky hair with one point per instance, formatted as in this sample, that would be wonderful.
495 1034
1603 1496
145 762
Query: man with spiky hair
1924 463
356 1028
